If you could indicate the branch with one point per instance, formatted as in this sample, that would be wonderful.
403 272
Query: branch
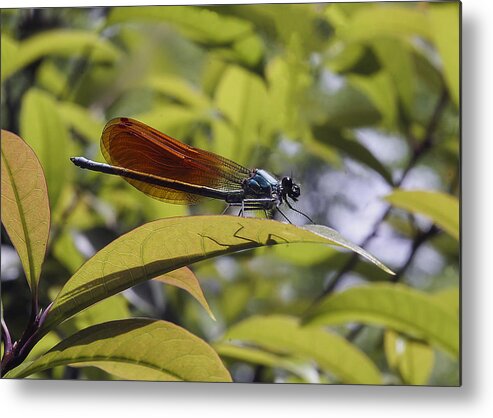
419 150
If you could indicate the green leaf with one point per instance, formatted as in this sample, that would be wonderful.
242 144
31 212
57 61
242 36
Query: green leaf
445 21
111 309
61 43
9 48
261 357
398 307
412 359
165 245
135 349
330 234
283 334
200 25
66 252
186 280
81 120
449 298
43 128
46 343
242 97
350 107
381 20
172 119
25 205
179 89
396 57
352 149
441 208
303 254
380 90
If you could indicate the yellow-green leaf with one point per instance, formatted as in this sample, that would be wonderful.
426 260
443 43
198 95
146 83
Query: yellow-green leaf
445 21
242 98
383 20
380 90
179 89
186 280
165 245
201 25
398 307
42 128
441 208
259 356
412 359
58 42
283 334
9 49
135 349
79 118
25 206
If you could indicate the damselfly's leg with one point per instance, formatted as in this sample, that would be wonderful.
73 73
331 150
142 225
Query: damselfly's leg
225 210
285 217
242 210
301 213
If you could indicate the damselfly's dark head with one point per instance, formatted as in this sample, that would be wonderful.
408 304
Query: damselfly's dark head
290 188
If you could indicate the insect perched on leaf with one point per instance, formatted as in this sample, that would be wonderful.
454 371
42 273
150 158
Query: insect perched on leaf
171 171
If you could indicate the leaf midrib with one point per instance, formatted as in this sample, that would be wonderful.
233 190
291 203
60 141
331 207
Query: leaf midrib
27 240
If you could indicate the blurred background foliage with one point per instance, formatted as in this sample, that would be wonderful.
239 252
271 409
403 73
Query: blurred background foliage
353 99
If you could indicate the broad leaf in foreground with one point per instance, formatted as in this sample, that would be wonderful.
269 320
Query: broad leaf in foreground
398 307
25 206
283 334
441 208
165 245
135 349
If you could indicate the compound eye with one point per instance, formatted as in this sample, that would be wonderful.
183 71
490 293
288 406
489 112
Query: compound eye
295 190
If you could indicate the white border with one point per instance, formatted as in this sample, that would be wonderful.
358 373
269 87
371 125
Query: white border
474 399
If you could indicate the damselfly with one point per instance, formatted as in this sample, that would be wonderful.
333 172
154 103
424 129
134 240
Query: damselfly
171 171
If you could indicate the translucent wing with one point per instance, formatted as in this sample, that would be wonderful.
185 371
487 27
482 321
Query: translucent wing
132 145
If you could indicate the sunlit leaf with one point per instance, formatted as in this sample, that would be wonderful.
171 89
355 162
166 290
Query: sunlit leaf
179 89
283 334
303 254
9 48
173 119
242 97
380 90
135 349
441 208
412 359
110 309
42 128
370 23
449 298
396 57
259 356
62 43
81 120
398 307
201 25
25 205
186 280
333 235
444 19
65 251
162 246
46 343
